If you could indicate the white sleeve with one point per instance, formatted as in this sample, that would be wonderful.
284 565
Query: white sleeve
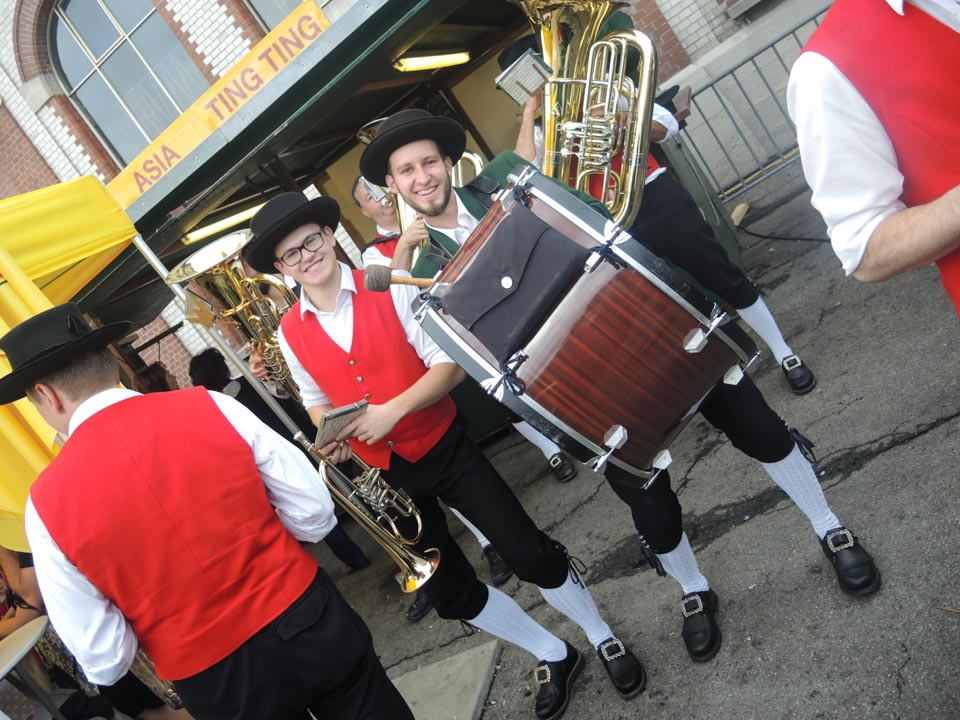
848 159
310 393
293 484
372 256
90 625
665 117
427 349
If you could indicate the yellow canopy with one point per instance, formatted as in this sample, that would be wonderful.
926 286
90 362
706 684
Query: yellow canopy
54 241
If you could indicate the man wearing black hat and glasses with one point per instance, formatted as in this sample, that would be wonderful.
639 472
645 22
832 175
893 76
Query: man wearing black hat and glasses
412 154
143 534
343 343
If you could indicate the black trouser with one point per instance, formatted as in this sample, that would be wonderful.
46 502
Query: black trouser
456 472
670 224
317 655
743 415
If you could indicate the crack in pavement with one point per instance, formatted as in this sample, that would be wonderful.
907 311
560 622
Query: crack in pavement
842 464
901 681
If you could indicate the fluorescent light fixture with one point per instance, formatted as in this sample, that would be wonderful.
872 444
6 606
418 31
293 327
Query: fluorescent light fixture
221 225
416 62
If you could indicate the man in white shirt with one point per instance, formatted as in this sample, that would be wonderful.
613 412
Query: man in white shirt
344 343
143 534
875 102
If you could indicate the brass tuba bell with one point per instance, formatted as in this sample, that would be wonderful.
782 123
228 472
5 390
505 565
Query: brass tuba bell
592 110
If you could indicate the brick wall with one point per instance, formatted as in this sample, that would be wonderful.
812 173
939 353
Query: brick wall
215 34
22 167
682 30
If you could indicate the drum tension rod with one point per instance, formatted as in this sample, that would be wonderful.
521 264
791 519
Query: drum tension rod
615 438
696 339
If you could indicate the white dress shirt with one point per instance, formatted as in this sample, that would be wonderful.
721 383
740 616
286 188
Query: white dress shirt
848 158
466 223
371 254
339 326
90 625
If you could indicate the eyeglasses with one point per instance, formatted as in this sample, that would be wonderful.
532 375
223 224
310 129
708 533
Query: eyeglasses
293 256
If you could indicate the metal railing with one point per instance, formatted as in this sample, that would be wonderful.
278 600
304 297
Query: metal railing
739 128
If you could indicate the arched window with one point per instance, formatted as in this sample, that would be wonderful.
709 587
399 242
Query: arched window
124 68
271 12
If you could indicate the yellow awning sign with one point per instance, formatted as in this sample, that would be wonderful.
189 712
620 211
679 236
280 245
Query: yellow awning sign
220 102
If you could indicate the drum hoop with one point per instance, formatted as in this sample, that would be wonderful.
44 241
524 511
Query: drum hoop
465 355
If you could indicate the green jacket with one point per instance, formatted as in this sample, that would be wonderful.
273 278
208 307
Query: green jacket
497 170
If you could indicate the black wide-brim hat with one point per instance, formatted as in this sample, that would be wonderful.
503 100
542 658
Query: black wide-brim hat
280 217
512 52
403 128
47 342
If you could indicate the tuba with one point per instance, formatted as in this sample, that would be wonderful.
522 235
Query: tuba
217 269
368 499
592 110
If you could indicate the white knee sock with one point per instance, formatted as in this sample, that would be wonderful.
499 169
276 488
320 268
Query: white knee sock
758 317
481 538
681 565
797 479
575 601
547 446
503 618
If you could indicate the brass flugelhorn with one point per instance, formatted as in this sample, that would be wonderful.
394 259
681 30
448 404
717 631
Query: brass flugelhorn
376 507
592 110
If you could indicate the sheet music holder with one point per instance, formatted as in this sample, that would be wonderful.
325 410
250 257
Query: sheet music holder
524 77
333 421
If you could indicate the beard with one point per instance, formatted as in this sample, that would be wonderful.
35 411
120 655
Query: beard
437 207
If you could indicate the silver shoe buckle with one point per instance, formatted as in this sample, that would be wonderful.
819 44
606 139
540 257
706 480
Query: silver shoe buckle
697 603
611 650
847 541
542 674
792 362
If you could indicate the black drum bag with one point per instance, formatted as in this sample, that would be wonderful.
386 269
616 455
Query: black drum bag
513 280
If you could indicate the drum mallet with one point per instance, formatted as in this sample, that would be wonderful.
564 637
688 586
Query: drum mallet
378 278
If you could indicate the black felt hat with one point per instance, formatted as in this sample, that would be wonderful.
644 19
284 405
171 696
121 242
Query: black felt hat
403 128
281 216
512 52
47 342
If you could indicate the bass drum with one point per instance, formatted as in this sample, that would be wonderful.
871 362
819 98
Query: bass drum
579 329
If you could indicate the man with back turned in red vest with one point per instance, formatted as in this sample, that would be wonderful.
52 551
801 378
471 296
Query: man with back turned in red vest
144 534
344 343
879 135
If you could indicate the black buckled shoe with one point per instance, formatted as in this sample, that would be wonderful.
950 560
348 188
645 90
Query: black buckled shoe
420 606
499 572
856 571
701 633
563 469
801 378
555 679
625 671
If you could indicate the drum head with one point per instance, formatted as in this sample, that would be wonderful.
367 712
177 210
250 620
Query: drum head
208 256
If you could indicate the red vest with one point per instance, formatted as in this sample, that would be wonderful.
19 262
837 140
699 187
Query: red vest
386 244
173 527
381 364
615 164
914 95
